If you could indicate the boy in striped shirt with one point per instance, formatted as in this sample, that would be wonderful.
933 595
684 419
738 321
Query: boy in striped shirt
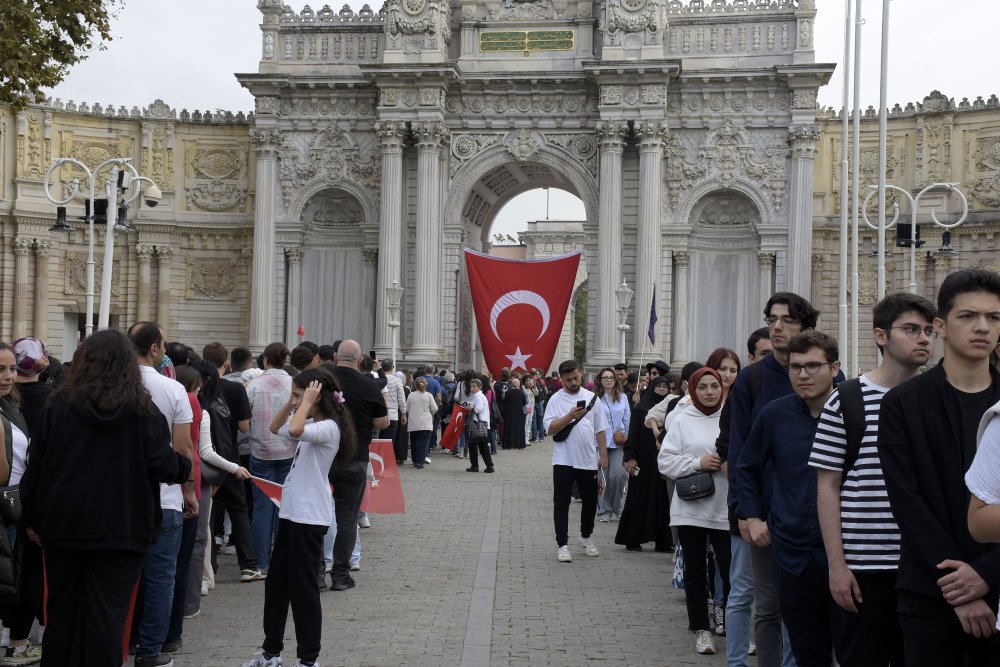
860 534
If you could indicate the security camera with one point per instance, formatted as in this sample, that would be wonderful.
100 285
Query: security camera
152 195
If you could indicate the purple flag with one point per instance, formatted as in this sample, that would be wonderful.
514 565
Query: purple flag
652 319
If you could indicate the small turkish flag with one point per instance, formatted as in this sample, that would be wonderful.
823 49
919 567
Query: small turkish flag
270 489
302 331
384 495
520 307
449 439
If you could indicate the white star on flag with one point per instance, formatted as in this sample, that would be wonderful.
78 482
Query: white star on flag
517 359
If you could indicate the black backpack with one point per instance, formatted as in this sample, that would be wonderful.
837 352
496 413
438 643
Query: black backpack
221 426
852 409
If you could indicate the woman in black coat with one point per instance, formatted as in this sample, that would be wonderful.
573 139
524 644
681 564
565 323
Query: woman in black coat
512 406
646 515
90 497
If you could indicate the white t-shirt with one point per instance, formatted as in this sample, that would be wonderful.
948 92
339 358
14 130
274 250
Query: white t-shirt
19 443
172 400
305 497
578 450
983 476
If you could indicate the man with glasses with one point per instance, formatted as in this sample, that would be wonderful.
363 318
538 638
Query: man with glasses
948 583
775 457
786 314
859 530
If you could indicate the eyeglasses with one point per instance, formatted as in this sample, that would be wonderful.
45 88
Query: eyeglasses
914 331
608 377
811 368
785 319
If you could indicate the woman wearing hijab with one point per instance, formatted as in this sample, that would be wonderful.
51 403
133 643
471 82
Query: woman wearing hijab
645 516
689 448
512 404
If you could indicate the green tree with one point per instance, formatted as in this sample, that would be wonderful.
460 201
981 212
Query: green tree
580 325
41 39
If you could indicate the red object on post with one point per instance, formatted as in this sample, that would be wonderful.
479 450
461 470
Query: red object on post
520 307
301 331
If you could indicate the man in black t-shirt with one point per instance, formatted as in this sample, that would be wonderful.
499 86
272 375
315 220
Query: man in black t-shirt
364 401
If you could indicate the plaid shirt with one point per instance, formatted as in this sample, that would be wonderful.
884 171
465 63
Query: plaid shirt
268 394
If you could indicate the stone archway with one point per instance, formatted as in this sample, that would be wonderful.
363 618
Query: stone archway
337 273
723 275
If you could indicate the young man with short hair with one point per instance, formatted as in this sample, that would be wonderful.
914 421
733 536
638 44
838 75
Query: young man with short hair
621 374
574 457
948 583
859 530
775 458
758 345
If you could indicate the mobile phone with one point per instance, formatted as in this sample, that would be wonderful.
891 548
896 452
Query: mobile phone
581 404
371 353
635 471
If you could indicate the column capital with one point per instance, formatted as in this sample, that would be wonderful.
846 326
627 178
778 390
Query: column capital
164 253
681 259
765 257
22 246
42 247
390 134
652 135
429 135
145 252
265 140
803 139
294 255
611 135
818 258
369 256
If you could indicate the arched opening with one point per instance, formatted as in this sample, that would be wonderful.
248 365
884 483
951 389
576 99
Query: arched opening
337 274
540 205
724 284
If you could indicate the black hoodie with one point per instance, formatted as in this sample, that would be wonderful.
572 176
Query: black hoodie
92 477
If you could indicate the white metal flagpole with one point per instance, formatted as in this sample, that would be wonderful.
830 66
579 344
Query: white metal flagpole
883 112
855 186
844 146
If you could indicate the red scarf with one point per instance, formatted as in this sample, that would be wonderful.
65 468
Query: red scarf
692 389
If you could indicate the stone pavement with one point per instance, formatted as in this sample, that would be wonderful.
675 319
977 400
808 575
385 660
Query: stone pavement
468 576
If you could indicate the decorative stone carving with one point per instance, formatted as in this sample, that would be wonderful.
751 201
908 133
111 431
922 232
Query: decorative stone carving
522 146
803 139
303 157
727 212
416 26
265 140
526 10
583 147
75 281
986 166
681 259
212 278
216 195
466 146
158 151
217 163
632 24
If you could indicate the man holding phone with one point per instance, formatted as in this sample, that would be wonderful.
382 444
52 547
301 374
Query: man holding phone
571 419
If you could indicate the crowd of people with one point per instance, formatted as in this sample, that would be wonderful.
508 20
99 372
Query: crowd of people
812 519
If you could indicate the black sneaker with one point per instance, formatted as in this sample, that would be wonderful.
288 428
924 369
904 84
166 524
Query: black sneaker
342 584
161 660
172 647
472 469
488 470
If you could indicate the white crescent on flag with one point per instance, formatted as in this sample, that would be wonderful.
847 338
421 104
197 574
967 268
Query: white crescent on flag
526 297
375 457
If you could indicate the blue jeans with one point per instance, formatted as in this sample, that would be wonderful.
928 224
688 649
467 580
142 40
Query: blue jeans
493 441
610 502
740 604
158 570
331 536
264 526
419 446
537 430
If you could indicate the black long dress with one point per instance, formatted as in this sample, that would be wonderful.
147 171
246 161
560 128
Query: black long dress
512 412
646 515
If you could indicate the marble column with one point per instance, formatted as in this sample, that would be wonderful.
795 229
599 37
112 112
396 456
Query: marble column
163 255
609 240
426 325
390 241
262 295
765 263
679 344
803 139
651 138
40 330
22 285
293 303
145 254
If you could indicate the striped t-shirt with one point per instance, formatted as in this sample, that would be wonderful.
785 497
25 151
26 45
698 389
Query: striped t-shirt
868 528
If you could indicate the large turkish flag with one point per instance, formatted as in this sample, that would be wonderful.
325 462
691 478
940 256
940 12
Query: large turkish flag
520 307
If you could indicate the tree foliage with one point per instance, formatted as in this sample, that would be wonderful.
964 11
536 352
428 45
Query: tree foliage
41 39
580 325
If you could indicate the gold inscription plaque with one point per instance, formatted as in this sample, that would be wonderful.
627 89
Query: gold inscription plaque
535 40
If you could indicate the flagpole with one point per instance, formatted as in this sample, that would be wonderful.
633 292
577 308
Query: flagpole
642 351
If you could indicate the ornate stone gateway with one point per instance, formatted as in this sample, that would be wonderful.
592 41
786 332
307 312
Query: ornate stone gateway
386 142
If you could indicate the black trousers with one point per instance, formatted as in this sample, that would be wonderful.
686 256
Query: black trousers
694 541
20 616
88 599
482 448
389 433
348 488
872 637
188 532
231 497
810 614
932 641
289 581
562 490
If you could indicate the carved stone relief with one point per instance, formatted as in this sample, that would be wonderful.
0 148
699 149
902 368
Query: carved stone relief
466 146
76 273
985 186
34 144
632 24
415 26
216 179
212 278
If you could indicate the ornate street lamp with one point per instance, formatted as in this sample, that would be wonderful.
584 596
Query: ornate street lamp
624 297
393 295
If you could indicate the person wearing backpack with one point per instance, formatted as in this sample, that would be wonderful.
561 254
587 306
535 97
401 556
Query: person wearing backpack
229 411
859 532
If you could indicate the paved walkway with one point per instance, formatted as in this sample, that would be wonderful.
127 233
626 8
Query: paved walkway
468 576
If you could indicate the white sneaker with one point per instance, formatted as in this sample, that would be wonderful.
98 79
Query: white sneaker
204 590
564 555
588 546
363 522
260 661
427 460
604 518
705 644
719 621
753 648
355 566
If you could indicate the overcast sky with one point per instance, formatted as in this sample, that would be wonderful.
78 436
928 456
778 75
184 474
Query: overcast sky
186 51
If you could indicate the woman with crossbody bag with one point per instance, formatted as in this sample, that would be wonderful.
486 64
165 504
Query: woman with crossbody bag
477 428
614 403
698 508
